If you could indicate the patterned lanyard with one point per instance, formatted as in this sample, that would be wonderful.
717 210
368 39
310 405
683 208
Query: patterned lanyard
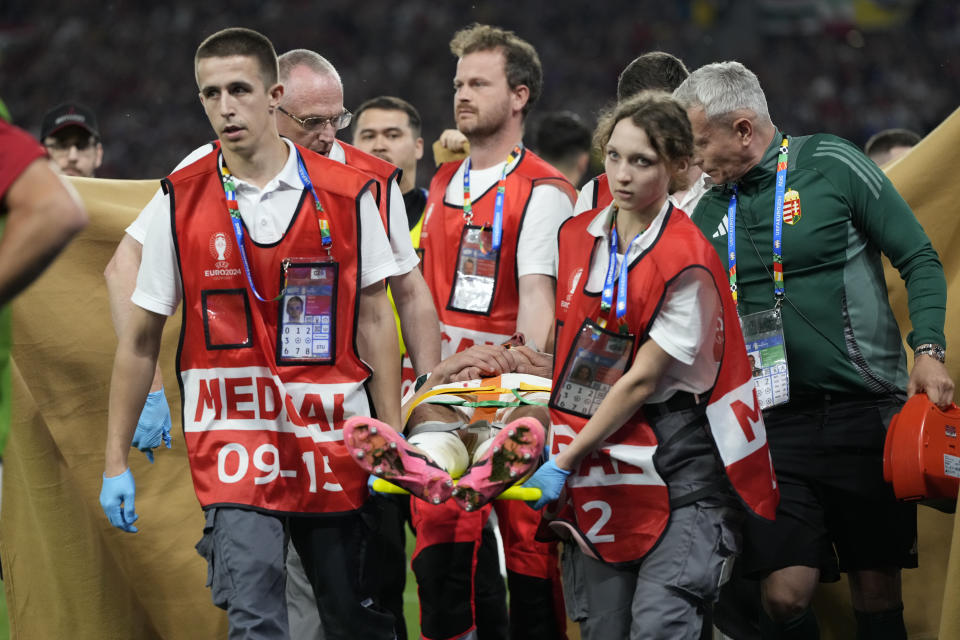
498 203
233 208
606 299
777 229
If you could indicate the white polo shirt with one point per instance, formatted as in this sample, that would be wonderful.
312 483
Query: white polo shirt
687 322
266 214
549 206
403 252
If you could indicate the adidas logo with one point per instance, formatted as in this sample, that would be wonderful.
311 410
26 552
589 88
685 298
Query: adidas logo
721 228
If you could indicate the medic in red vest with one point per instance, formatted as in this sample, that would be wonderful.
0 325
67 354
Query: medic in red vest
263 399
653 410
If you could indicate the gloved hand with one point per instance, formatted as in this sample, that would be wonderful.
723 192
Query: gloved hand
549 478
153 425
116 491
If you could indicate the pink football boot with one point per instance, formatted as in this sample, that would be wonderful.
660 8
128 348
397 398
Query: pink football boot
380 450
514 452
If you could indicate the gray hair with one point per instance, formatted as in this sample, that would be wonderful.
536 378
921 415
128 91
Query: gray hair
310 59
723 88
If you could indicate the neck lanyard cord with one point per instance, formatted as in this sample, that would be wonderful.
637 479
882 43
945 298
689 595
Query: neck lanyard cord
606 299
233 209
498 203
778 286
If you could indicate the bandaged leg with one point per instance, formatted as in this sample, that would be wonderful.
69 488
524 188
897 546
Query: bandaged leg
445 447
508 414
509 456
434 429
462 423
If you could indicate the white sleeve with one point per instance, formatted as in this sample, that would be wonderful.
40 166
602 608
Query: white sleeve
376 256
403 253
138 228
686 328
549 206
158 282
585 199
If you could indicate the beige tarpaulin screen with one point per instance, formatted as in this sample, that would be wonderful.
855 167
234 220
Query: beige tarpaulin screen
925 179
68 574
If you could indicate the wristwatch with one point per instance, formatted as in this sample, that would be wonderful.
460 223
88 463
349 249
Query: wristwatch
931 349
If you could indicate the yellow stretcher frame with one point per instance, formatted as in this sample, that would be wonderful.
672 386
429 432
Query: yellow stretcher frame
516 492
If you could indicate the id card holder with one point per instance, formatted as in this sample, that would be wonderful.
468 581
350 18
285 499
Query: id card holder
307 315
767 353
475 279
597 360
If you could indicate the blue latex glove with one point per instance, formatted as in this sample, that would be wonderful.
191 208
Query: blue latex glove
116 491
550 479
153 425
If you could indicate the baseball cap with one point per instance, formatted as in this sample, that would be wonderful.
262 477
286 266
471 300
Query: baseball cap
68 114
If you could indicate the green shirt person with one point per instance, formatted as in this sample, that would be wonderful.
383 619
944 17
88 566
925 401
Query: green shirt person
846 366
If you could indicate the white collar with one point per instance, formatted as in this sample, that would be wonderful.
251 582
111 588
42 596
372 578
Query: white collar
599 227
289 176
337 153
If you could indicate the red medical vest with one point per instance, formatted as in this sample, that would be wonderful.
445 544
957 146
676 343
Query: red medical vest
616 500
260 434
384 173
443 224
601 192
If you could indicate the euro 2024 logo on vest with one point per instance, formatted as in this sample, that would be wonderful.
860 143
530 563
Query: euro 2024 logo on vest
571 288
220 251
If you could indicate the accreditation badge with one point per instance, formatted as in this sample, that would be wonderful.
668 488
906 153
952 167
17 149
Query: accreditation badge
597 360
306 318
475 279
767 353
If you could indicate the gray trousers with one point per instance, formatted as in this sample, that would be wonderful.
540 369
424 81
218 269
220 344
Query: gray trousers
301 603
666 594
245 553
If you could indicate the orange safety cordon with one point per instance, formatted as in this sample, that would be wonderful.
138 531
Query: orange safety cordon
921 454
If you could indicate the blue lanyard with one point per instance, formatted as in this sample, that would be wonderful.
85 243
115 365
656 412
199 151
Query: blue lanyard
498 202
778 289
606 299
233 208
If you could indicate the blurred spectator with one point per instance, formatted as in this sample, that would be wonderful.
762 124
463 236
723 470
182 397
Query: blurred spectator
69 132
564 141
889 144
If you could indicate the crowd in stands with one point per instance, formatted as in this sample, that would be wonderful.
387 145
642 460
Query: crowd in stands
838 75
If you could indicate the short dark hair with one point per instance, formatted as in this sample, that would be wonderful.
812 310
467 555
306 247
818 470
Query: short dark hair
560 136
652 70
238 41
664 121
883 141
522 64
391 103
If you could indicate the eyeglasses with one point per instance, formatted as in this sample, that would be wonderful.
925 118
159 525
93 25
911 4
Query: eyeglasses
313 123
62 147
